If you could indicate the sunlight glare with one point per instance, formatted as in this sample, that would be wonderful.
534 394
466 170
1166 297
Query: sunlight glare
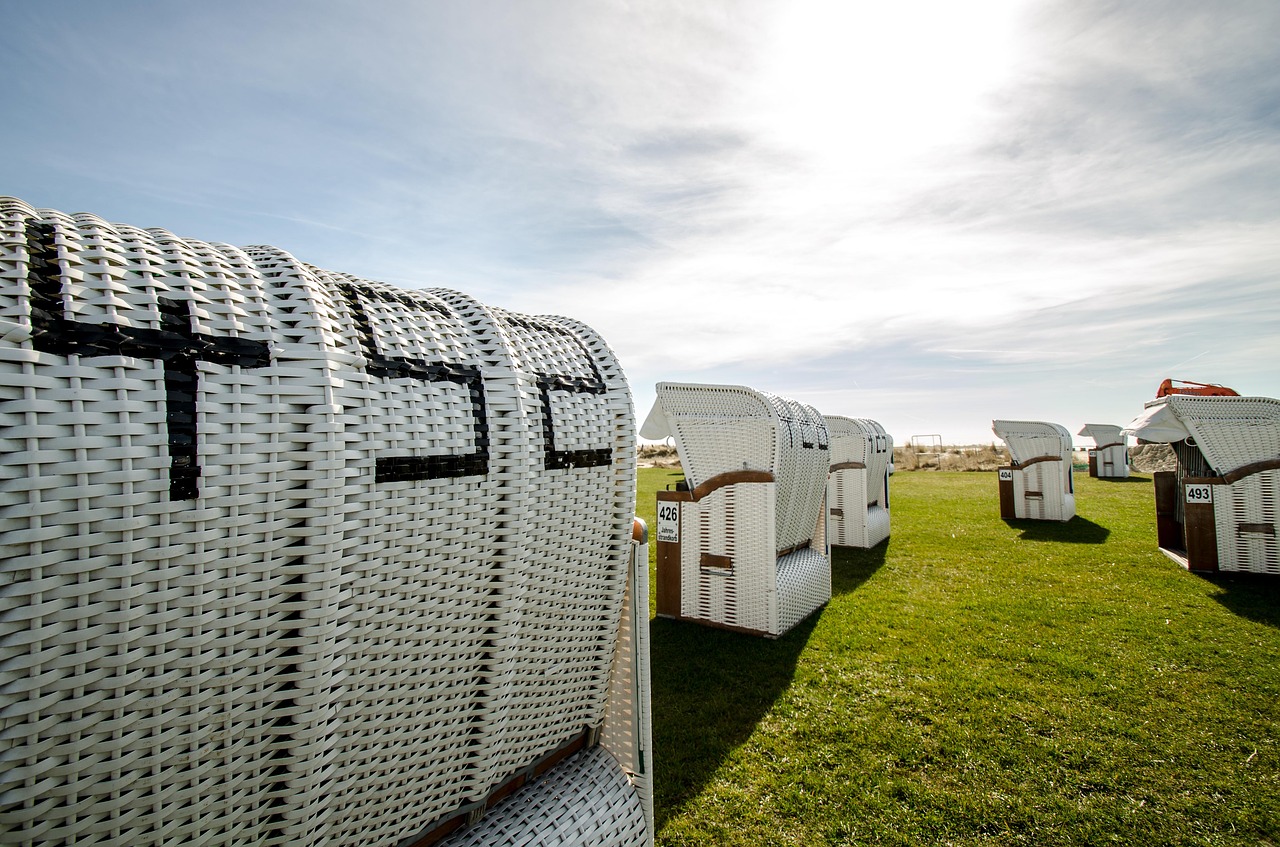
860 81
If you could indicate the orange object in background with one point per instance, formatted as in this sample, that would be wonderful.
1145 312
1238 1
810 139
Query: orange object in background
1203 389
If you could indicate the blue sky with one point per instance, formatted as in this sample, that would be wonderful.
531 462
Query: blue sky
930 214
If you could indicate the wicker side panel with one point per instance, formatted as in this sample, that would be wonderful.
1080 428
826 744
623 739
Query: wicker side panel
1247 514
1112 462
877 525
879 453
1061 505
1022 483
1040 493
847 507
627 732
732 524
878 472
801 467
560 616
821 542
804 585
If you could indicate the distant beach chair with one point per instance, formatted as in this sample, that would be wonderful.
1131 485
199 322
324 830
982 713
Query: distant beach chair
1109 458
1038 485
741 544
296 558
1220 510
858 485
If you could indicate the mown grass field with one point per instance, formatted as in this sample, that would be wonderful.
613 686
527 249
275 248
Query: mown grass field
974 681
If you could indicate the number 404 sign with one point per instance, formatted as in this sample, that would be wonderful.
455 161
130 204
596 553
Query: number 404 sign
669 522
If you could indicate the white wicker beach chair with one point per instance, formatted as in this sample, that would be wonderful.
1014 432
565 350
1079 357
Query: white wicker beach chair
742 547
858 485
1220 510
294 558
1039 484
1109 458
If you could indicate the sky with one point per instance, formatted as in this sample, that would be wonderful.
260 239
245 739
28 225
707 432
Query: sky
931 214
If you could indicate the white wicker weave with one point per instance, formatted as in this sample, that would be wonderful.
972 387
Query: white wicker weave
585 801
858 485
1041 479
603 794
752 554
291 557
1223 509
628 725
1109 458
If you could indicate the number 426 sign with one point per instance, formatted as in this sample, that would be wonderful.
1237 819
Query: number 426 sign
669 522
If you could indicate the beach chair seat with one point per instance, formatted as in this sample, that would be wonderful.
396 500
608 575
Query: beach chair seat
1038 485
1109 457
742 544
296 558
858 484
1220 509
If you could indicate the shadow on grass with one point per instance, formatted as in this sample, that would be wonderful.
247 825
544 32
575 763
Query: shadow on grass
1078 530
710 689
852 566
670 478
1255 596
1123 480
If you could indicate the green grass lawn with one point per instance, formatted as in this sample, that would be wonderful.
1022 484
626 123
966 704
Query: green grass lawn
974 681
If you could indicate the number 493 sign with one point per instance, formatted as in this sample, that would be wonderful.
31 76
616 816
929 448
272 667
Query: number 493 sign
669 522
1198 492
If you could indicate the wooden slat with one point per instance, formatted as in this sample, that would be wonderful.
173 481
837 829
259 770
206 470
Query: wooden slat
1007 510
668 558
